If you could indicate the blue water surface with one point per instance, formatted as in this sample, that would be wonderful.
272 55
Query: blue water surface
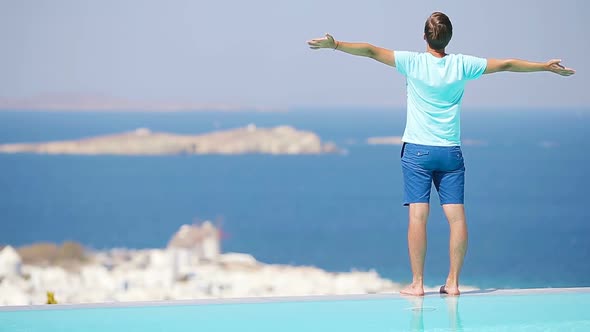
556 312
527 188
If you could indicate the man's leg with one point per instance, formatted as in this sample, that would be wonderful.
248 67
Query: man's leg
418 216
455 214
418 176
450 183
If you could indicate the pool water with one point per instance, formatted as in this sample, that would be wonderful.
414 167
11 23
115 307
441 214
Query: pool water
494 310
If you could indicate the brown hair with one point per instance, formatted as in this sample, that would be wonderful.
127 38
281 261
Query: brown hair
438 31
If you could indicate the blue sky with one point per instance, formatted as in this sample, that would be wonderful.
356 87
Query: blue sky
253 53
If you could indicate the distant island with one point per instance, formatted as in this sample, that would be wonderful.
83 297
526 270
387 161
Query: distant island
104 103
281 140
385 140
397 140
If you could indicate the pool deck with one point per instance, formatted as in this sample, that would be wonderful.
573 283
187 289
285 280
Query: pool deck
546 309
279 299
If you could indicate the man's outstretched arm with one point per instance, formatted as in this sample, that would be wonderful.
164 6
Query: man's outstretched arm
361 49
523 66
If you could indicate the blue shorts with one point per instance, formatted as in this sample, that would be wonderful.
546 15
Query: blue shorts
423 165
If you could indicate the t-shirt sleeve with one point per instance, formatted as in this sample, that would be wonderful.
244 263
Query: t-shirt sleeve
403 61
473 67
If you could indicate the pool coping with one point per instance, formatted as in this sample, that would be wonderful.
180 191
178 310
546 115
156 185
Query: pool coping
282 299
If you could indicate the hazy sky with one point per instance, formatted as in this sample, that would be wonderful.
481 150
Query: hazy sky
254 53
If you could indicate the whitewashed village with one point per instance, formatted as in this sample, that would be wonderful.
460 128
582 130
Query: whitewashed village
192 266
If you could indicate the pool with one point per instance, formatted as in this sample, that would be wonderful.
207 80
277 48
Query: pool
487 310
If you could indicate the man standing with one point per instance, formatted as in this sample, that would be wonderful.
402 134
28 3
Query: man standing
431 152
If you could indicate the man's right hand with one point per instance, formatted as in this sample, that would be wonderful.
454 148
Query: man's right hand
556 67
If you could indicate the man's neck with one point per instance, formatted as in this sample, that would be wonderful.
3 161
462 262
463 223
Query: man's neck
436 53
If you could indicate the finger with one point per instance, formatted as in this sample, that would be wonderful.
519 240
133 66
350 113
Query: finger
556 66
329 37
567 72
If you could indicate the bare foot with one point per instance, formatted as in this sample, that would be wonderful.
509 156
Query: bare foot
413 290
449 290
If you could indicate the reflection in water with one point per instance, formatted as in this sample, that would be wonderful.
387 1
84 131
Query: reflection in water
417 322
453 310
418 309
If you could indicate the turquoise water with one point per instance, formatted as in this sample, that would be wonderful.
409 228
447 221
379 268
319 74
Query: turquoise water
471 312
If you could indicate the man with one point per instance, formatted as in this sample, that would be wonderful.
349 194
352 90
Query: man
431 152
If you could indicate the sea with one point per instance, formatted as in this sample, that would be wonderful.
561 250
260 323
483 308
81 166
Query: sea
527 192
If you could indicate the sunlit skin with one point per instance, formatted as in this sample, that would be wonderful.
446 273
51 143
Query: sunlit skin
418 212
386 56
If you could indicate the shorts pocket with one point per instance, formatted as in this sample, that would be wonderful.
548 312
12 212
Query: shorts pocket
419 152
457 153
413 152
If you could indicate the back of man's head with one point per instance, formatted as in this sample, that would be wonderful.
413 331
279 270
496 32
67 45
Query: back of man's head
438 31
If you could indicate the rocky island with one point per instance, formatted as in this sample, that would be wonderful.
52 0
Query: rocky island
385 140
251 139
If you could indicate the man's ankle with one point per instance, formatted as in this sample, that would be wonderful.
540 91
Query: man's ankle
453 282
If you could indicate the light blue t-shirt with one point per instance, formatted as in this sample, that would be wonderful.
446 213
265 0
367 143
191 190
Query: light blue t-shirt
435 90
